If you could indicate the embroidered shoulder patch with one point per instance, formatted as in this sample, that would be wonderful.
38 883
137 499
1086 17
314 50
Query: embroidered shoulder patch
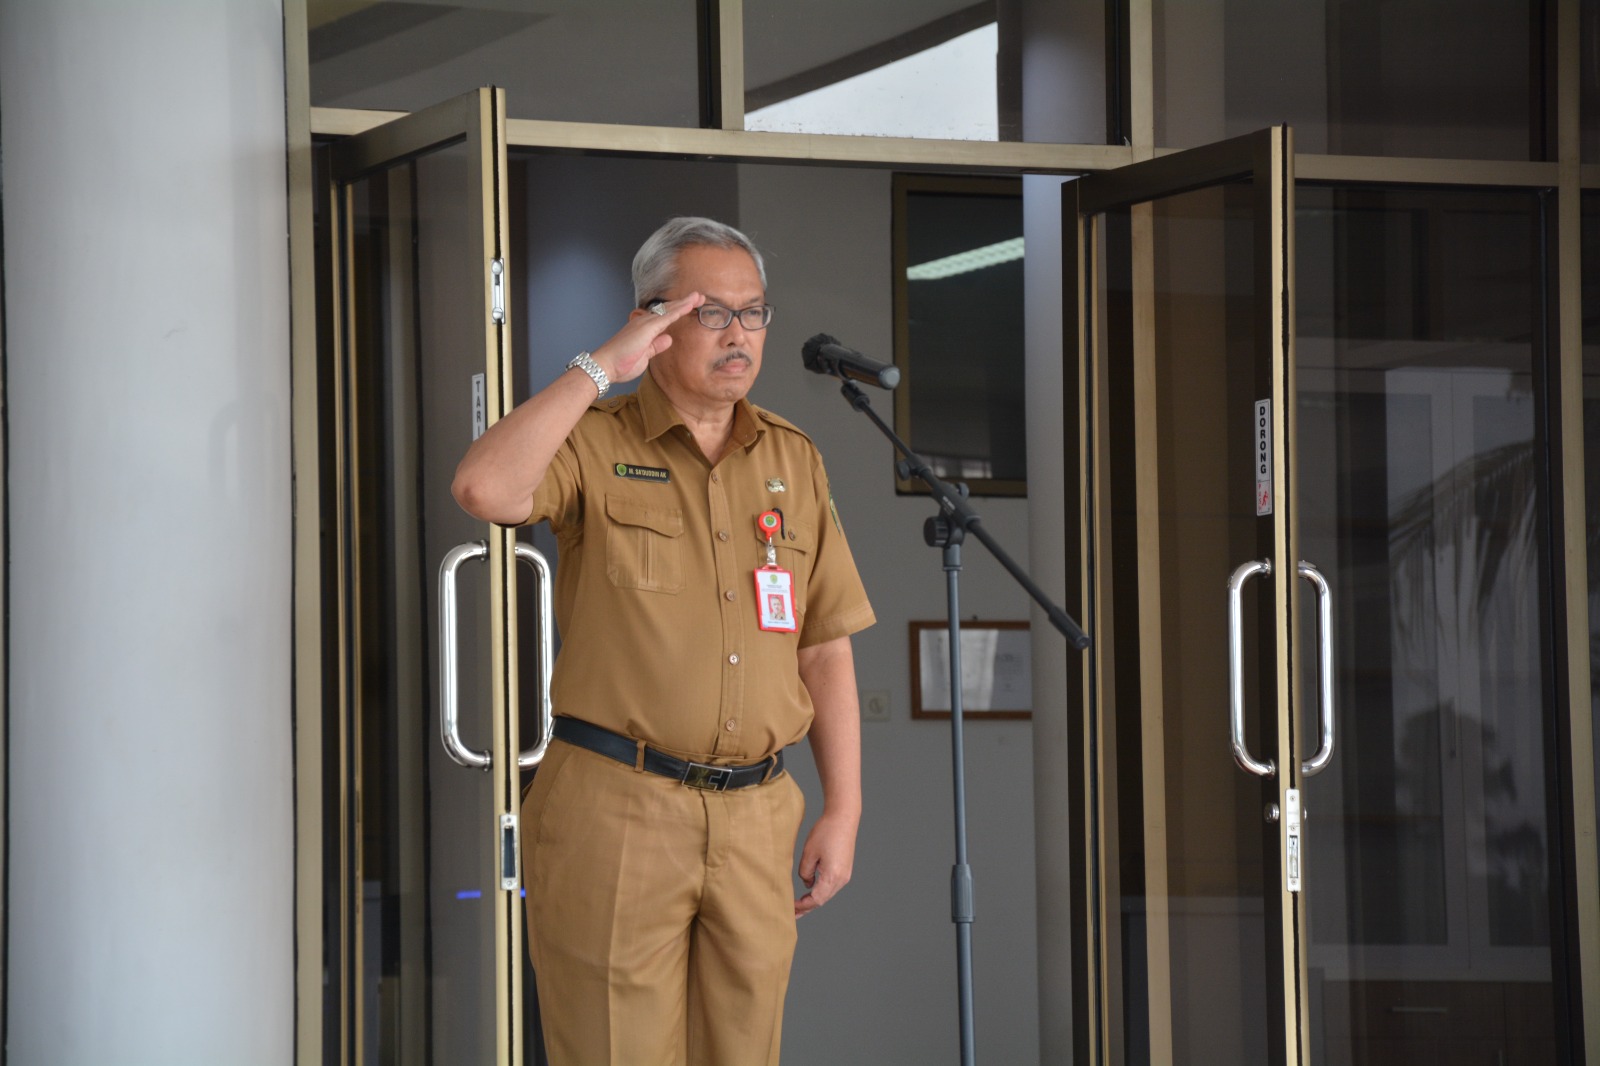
643 473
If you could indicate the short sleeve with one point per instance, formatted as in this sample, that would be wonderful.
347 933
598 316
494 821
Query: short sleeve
559 497
836 600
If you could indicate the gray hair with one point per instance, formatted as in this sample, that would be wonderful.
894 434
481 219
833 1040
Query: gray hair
655 266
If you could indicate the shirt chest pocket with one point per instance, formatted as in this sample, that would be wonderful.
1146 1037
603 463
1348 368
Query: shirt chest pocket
644 545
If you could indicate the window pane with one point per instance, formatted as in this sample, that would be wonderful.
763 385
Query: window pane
1589 78
1419 451
1354 77
887 68
958 329
556 59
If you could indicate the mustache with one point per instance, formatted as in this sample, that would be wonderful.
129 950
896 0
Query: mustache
737 353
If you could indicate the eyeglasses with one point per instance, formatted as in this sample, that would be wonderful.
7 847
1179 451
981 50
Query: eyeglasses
715 316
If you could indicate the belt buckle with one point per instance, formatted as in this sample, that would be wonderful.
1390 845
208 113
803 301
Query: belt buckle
710 778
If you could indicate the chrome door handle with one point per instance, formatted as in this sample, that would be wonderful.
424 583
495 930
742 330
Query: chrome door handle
449 718
1319 762
1236 583
541 583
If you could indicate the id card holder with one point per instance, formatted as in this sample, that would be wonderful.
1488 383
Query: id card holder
774 584
775 600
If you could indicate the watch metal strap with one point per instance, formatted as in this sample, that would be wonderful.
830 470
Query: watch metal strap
584 362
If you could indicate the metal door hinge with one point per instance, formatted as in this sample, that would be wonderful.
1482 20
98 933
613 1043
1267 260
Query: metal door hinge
497 291
510 881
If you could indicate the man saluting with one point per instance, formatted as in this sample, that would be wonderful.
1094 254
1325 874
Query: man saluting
705 598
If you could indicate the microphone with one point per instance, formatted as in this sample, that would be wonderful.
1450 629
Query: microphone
825 355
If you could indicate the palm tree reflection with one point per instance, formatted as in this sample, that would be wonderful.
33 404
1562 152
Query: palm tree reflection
1466 597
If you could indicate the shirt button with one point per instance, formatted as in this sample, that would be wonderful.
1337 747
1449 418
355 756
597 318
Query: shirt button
730 725
734 658
729 595
716 479
722 534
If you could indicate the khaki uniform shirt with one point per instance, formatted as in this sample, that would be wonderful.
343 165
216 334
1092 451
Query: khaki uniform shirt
655 586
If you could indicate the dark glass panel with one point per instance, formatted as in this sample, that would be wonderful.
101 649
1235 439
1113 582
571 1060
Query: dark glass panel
1194 869
1591 443
960 341
1589 79
1355 77
1419 449
625 61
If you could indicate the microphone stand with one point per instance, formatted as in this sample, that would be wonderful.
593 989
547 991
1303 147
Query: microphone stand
947 530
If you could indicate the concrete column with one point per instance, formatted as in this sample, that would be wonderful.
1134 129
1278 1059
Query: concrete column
149 896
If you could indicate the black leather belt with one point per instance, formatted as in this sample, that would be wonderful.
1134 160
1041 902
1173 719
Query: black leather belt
694 774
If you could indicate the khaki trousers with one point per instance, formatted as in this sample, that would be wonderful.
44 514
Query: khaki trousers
660 918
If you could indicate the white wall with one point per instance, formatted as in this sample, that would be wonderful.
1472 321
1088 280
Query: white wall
151 866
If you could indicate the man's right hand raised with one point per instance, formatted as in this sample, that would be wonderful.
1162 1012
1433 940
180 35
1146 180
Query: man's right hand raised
625 355
496 479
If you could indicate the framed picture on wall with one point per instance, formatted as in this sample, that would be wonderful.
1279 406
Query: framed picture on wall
996 670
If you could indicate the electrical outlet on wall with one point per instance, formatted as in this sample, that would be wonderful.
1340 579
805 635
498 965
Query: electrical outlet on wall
874 706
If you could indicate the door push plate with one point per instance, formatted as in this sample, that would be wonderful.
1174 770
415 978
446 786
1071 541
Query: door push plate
1263 457
509 879
1291 829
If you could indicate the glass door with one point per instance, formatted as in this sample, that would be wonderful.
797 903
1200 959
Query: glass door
1319 721
1195 736
428 944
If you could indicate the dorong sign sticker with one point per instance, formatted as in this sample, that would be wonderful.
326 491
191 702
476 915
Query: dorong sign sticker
1263 431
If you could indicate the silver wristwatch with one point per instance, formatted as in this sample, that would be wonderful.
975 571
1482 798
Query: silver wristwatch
584 362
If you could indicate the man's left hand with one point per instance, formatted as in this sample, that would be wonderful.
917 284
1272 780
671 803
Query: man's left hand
826 861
